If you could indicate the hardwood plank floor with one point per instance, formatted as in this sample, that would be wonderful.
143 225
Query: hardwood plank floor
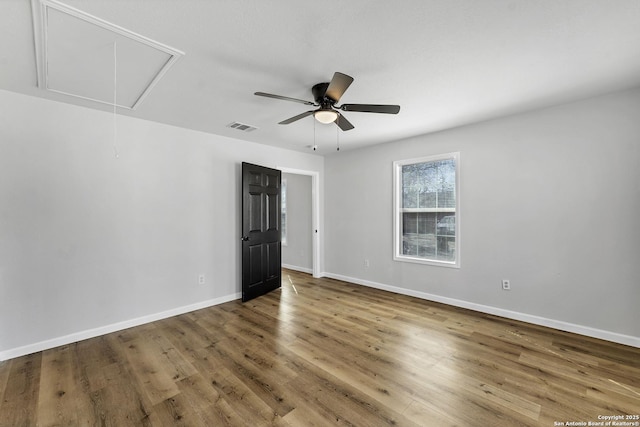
323 352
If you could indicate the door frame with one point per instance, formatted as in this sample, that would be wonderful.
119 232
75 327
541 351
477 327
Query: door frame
315 215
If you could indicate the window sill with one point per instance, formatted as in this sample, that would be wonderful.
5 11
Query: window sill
416 260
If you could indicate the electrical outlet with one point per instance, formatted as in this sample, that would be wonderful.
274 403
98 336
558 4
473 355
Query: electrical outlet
201 279
506 285
366 263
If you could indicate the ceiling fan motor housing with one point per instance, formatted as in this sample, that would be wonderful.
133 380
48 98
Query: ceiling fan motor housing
319 91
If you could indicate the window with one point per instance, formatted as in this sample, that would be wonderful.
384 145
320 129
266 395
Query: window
426 216
283 212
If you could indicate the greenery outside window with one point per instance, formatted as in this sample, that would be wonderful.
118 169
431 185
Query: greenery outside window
426 210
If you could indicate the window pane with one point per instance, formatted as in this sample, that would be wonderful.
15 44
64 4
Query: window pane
445 237
409 187
446 183
418 234
427 211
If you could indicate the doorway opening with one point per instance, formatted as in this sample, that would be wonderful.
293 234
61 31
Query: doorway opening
315 216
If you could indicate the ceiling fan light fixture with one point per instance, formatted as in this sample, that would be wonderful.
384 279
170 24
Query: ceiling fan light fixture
325 116
326 96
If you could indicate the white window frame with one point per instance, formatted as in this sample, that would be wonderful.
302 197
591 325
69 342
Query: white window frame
397 211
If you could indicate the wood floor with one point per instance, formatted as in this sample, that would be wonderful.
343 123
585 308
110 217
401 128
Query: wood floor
322 352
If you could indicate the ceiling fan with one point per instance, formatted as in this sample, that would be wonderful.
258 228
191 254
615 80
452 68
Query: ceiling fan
326 96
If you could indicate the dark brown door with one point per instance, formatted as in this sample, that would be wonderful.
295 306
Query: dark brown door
261 257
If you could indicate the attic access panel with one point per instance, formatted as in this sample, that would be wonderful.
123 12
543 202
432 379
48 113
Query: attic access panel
80 55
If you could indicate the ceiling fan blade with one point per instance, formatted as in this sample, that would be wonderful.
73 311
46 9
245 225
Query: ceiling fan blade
339 84
343 123
371 108
295 118
284 98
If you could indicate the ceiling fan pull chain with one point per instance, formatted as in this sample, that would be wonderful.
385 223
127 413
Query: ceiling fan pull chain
338 137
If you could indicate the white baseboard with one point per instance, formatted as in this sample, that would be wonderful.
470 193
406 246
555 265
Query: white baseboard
92 333
537 320
528 318
296 268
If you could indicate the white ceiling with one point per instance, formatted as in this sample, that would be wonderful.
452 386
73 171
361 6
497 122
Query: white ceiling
446 62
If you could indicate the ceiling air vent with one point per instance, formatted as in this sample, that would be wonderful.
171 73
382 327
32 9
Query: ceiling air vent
241 126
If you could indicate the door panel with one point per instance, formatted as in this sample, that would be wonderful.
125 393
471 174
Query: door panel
255 212
273 211
273 259
255 178
255 264
261 257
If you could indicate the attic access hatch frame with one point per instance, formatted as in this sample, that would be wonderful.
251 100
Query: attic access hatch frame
40 10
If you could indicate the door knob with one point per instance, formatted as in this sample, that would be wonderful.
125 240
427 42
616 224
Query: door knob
245 238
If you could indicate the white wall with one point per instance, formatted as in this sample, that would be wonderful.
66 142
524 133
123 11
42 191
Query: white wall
550 200
90 242
297 253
